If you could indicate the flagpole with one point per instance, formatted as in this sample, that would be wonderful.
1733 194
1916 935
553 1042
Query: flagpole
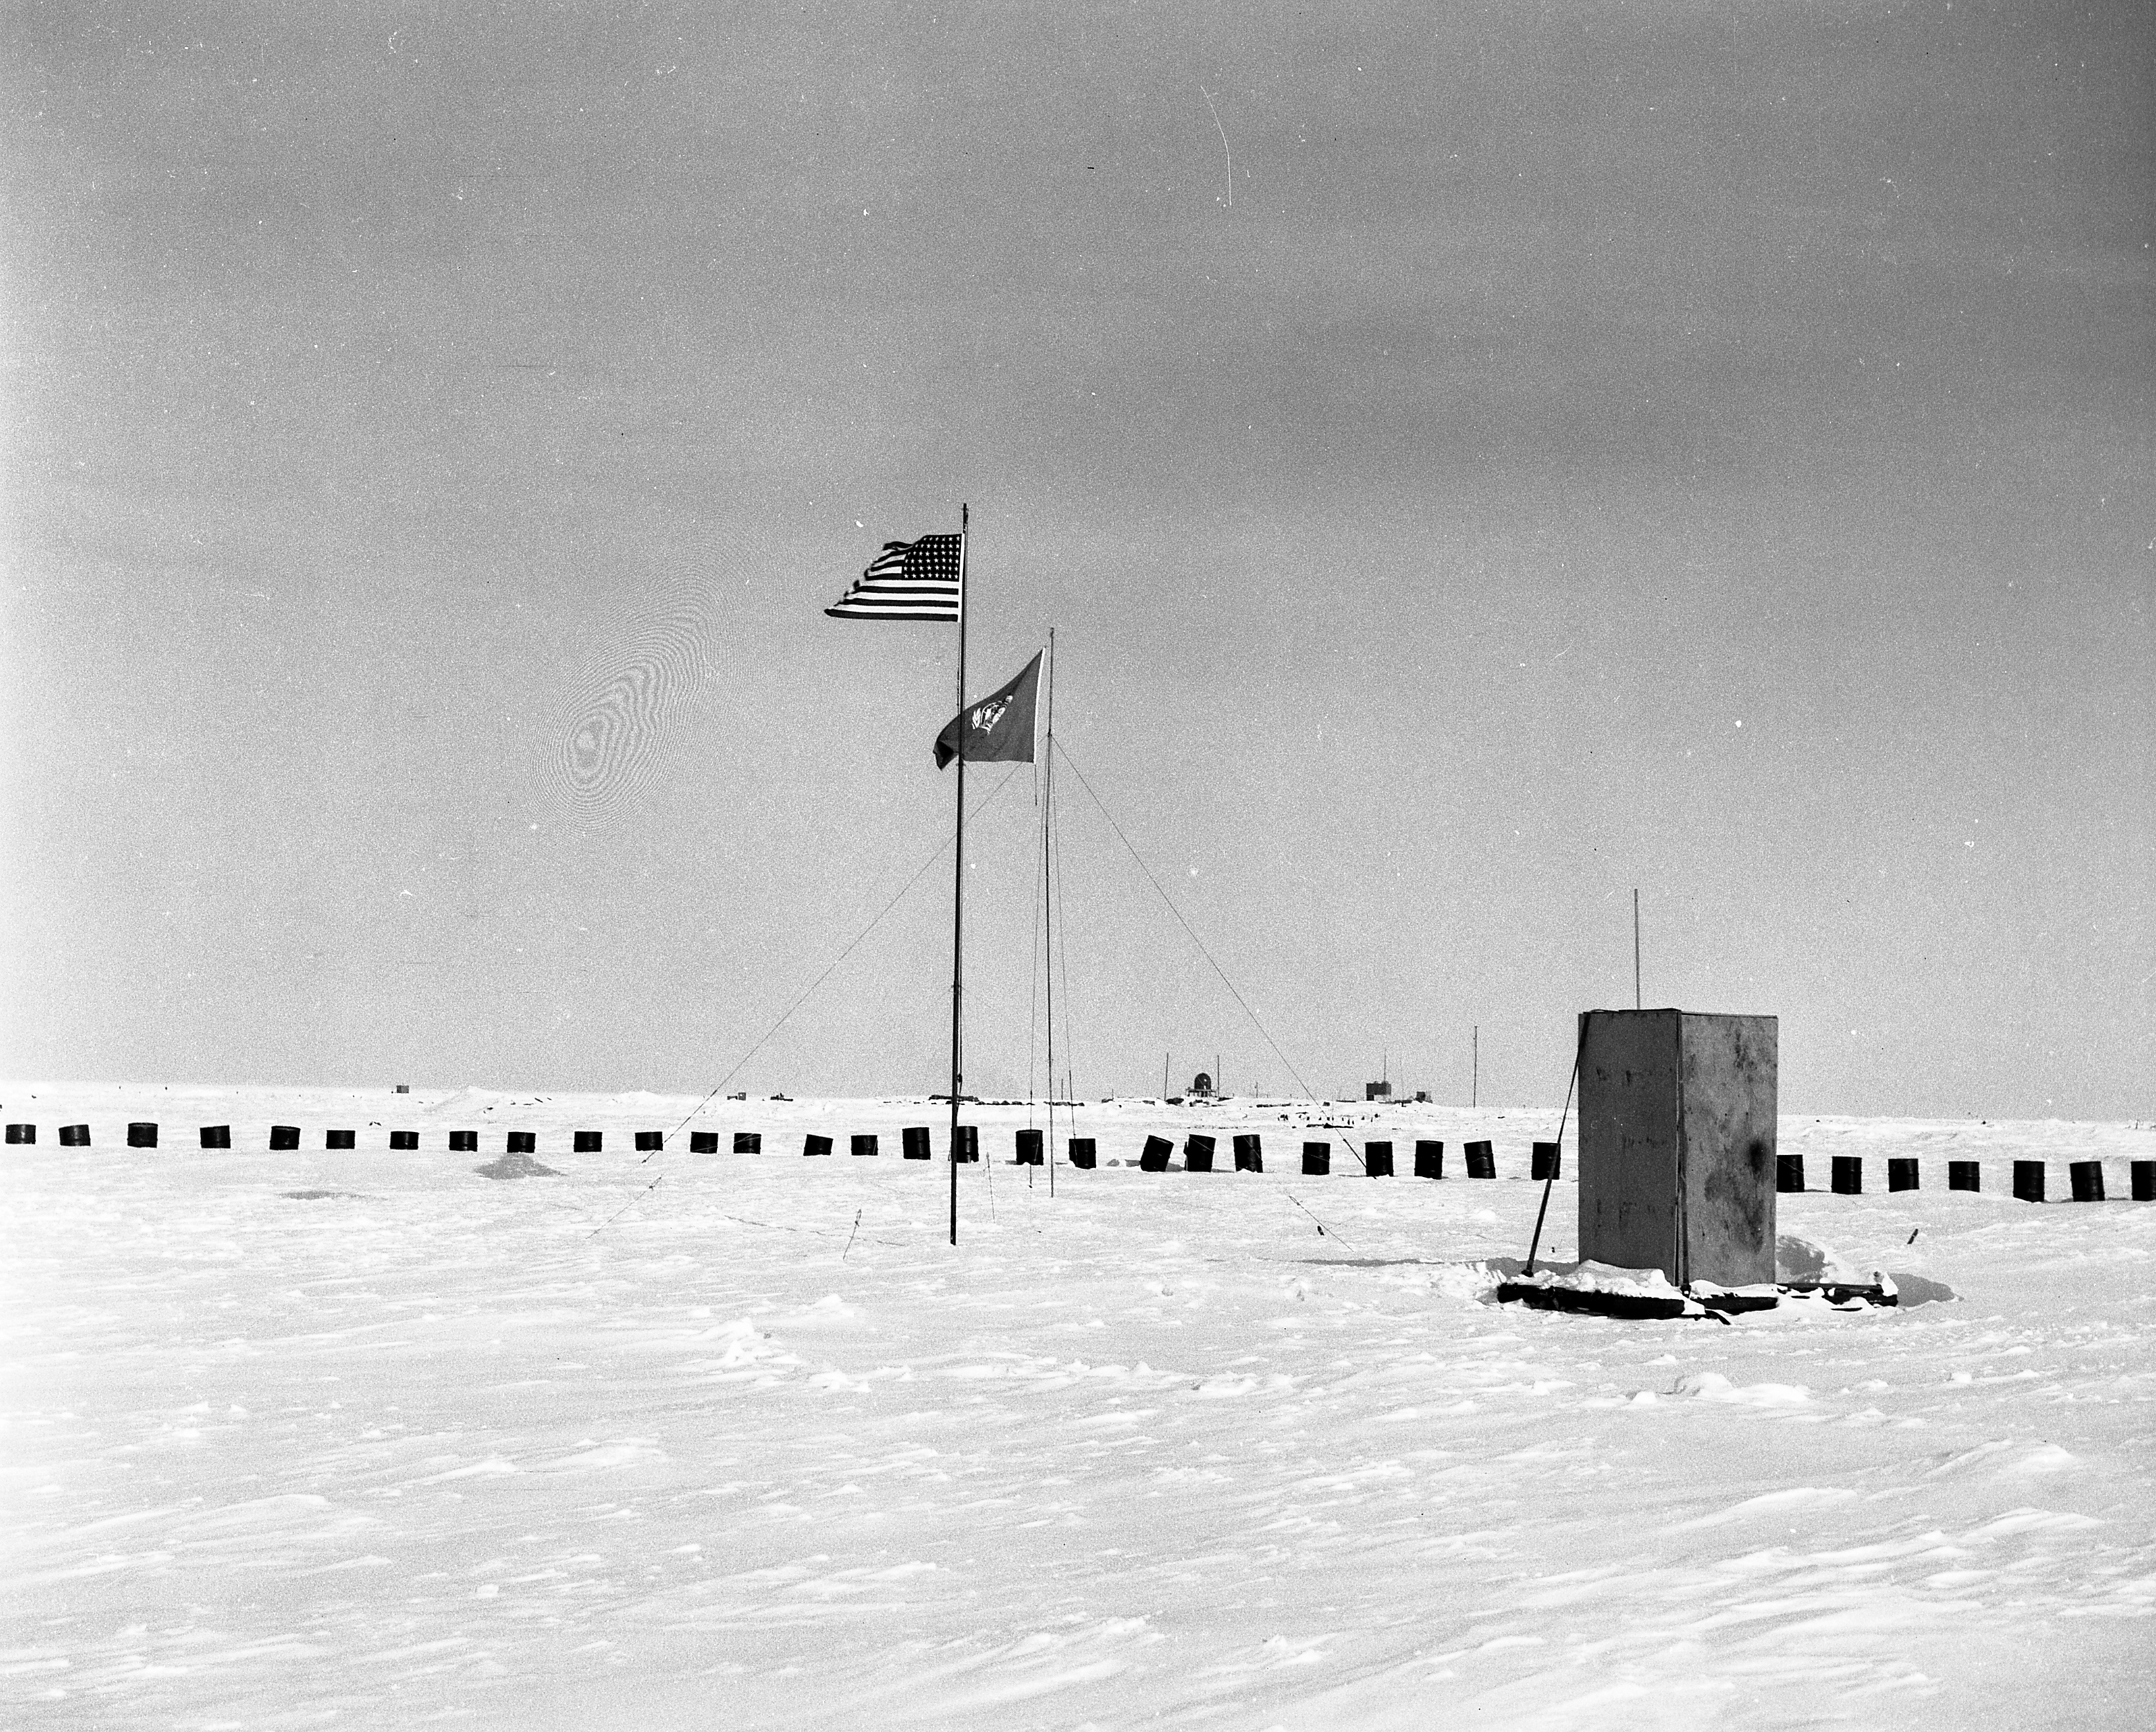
1048 902
958 888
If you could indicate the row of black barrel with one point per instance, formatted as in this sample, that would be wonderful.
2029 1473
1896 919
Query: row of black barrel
2085 1177
143 1135
1198 1152
1197 1149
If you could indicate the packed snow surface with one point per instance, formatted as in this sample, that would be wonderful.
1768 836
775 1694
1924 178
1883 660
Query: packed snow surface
368 1439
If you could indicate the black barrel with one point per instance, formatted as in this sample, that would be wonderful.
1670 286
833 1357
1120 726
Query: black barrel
815 1144
77 1136
748 1142
2144 1181
344 1139
1082 1153
1029 1146
2029 1181
1544 1162
460 1142
1197 1154
1250 1154
913 1143
1430 1160
702 1143
1902 1172
1481 1161
141 1135
1377 1160
287 1136
22 1133
864 1142
216 1135
1316 1159
1848 1179
1153 1159
1963 1176
969 1143
1788 1172
404 1139
2086 1178
586 1142
523 1142
650 1142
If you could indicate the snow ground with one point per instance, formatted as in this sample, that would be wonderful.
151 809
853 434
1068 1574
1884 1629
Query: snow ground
418 1445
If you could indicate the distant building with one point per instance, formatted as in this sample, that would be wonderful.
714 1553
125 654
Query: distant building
1202 1083
1377 1090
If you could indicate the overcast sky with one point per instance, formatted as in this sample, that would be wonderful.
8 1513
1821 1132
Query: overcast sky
1480 459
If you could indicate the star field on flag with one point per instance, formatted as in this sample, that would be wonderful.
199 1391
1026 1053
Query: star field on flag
908 580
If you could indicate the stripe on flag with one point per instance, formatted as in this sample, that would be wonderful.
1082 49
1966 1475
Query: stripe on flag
908 580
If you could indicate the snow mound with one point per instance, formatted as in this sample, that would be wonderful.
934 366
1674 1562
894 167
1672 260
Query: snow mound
1592 1277
1798 1257
1919 1290
467 1100
516 1166
749 1354
1466 1281
828 1312
1713 1386
2047 1458
628 1453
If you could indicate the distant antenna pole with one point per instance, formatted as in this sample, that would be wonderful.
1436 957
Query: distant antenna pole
1164 1076
1475 1072
1636 947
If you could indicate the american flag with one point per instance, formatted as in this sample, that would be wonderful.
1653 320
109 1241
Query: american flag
908 580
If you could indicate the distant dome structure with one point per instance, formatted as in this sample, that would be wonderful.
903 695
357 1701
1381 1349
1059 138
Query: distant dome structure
1202 1083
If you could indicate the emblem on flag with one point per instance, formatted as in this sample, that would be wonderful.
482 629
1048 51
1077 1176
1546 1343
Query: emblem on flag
908 580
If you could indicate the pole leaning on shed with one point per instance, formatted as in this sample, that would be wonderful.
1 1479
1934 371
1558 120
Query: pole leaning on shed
1550 1178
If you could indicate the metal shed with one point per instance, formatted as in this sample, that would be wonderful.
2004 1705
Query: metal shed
1676 1143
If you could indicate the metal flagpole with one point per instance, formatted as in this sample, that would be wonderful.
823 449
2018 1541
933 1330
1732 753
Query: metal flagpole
958 886
1048 905
1636 947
